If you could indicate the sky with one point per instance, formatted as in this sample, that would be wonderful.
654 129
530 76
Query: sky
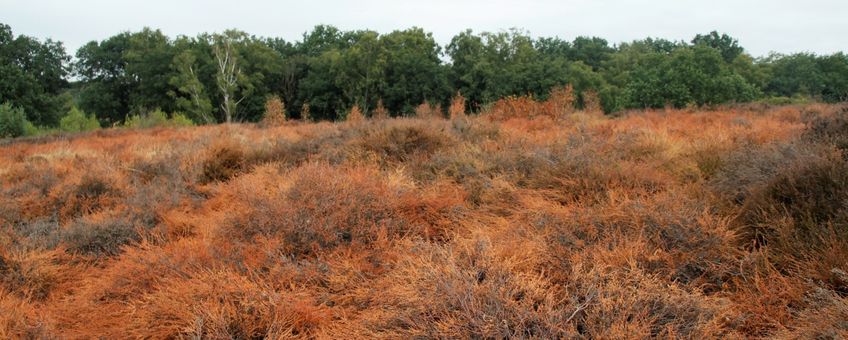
761 26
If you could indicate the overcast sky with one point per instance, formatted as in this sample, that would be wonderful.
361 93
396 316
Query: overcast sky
761 26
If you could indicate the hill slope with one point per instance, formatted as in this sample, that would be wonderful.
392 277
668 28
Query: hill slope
666 223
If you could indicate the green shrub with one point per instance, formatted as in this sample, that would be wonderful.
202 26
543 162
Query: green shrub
785 100
13 122
157 118
31 130
77 121
179 119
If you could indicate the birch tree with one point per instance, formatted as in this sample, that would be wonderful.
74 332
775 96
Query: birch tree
229 78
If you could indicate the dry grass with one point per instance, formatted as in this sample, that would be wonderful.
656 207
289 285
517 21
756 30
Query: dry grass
529 221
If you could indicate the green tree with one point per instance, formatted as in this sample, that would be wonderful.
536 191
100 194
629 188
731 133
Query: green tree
592 51
13 121
148 63
33 76
725 44
696 75
469 69
413 71
190 94
834 69
796 74
105 85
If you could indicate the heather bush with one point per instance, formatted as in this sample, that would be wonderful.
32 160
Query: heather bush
750 167
380 112
354 115
831 129
657 224
322 208
29 274
223 161
398 141
457 107
275 112
812 195
93 192
427 110
305 114
99 236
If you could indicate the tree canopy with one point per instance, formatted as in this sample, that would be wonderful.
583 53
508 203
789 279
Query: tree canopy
227 76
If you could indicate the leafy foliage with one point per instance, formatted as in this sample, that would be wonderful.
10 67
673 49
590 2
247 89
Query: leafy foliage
34 76
12 121
78 121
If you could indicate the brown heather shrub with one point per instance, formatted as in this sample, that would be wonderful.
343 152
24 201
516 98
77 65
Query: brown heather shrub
399 141
592 102
222 161
457 107
355 115
545 223
99 235
515 107
801 216
380 111
20 319
93 192
323 208
830 128
275 112
560 101
30 274
427 110
305 115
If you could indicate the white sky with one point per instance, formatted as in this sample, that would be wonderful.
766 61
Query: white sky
761 26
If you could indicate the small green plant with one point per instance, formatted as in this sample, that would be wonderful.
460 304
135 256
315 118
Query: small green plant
77 121
13 122
179 119
157 118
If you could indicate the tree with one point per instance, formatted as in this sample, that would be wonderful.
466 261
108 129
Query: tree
105 84
796 74
190 95
361 71
148 64
232 83
725 44
33 76
696 75
835 77
468 69
592 51
413 70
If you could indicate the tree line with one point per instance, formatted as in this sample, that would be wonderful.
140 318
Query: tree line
228 76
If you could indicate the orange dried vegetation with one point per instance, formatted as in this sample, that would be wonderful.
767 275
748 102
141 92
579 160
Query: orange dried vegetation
532 220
